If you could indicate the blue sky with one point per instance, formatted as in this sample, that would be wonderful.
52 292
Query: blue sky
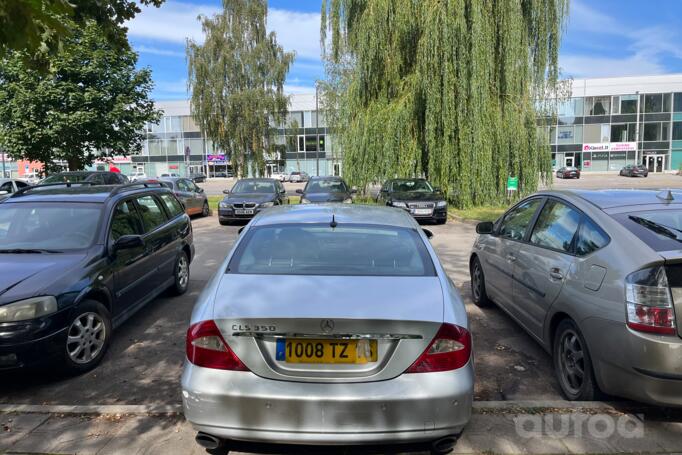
602 38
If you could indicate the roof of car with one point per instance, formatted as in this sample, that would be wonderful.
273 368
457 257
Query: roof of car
77 193
611 198
342 213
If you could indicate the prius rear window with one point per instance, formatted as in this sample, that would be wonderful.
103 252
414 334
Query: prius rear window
314 249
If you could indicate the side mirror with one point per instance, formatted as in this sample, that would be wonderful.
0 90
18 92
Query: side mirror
3 192
485 227
282 191
200 190
429 234
226 191
126 242
299 191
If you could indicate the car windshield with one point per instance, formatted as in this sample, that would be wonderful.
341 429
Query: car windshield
48 226
253 186
60 178
319 249
326 186
412 186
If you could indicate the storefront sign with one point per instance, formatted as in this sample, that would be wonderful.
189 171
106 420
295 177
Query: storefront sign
216 157
587 163
173 166
600 156
512 183
118 159
610 147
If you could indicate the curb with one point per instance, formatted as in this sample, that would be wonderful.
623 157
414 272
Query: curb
479 407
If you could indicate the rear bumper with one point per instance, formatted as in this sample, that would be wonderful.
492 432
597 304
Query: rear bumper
409 408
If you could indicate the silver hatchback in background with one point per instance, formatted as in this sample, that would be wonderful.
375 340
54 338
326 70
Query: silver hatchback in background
596 278
329 324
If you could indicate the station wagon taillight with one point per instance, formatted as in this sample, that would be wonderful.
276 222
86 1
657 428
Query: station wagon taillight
649 302
207 348
449 350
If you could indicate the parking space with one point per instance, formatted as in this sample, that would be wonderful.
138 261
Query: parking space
144 363
589 181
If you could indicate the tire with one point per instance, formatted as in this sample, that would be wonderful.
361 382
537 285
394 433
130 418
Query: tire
573 364
180 274
478 293
88 336
205 211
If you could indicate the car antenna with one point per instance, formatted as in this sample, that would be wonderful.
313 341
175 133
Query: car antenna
333 224
666 195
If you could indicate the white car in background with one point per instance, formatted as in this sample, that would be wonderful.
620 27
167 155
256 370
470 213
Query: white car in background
282 177
134 177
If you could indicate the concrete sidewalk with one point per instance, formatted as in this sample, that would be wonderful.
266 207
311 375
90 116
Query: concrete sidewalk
495 427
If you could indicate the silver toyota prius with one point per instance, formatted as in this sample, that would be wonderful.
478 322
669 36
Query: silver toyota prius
596 278
329 325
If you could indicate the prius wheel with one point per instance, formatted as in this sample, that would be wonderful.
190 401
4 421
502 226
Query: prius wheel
572 363
478 292
181 274
87 337
205 210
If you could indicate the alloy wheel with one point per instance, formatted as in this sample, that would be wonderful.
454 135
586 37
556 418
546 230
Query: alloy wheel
477 282
572 361
204 211
183 271
85 338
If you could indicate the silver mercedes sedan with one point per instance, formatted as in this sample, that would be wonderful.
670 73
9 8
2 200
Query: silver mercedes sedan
596 278
329 325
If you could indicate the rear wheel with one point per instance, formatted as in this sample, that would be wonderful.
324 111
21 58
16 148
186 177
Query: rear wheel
205 210
181 274
87 337
572 363
478 293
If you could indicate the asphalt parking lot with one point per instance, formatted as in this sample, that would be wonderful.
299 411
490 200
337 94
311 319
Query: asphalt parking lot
144 363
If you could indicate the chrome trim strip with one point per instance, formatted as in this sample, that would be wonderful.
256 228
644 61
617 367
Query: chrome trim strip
331 336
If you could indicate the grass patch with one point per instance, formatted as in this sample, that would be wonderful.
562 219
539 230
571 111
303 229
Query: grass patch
485 213
294 199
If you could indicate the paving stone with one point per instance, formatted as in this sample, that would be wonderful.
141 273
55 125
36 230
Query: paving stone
151 436
14 427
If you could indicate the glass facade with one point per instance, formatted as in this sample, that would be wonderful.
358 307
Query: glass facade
604 133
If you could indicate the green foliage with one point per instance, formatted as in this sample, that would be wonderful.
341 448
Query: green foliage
445 89
237 77
91 102
39 27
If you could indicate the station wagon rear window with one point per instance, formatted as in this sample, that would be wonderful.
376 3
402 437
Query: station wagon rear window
318 249
660 229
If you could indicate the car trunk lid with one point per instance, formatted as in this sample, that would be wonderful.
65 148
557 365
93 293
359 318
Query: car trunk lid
673 270
397 316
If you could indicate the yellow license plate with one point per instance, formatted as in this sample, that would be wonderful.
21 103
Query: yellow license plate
296 350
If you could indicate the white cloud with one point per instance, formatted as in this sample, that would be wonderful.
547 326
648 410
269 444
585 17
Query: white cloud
584 18
584 66
176 21
295 89
157 51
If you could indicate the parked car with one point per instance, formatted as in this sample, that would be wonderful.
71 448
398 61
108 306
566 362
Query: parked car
568 172
10 186
78 261
136 176
381 337
417 196
326 189
197 177
594 277
31 178
192 197
169 175
91 177
248 197
281 176
634 170
224 175
298 177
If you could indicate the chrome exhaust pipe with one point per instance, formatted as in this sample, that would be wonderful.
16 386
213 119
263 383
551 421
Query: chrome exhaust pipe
207 441
444 445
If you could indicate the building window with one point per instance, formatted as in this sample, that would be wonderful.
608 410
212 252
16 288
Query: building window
155 147
598 105
173 124
652 131
653 103
552 135
628 104
677 131
619 132
677 104
592 133
565 135
570 108
188 124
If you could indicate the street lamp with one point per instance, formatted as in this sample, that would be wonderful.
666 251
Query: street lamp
637 130
317 129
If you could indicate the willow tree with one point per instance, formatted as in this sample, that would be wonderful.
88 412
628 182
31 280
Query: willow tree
446 89
236 77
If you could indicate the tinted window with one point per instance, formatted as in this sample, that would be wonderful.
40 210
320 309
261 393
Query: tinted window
7 186
151 213
516 221
590 238
253 186
660 229
556 226
21 184
183 186
321 250
60 178
53 226
417 186
172 204
326 186
125 220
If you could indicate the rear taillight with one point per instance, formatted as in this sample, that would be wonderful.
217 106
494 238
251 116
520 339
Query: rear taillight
206 348
449 350
649 302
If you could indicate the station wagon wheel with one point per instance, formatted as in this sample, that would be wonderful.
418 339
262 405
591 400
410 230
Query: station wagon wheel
87 337
205 209
572 363
181 274
478 293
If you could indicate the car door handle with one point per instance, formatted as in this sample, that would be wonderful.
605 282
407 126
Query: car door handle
511 258
556 273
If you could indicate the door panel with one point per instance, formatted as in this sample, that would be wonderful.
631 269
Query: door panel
159 240
543 264
184 192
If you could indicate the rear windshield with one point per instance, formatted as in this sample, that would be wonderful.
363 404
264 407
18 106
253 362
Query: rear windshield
660 229
318 249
